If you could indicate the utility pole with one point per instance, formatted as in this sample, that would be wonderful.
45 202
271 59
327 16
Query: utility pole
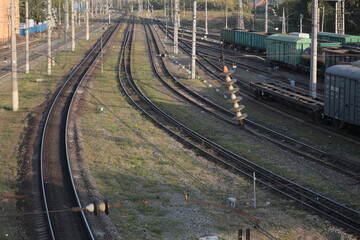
49 62
193 55
72 26
313 60
283 28
206 20
27 54
14 78
241 16
87 19
266 17
176 27
301 24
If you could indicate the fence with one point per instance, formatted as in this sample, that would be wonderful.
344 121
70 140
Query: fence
35 29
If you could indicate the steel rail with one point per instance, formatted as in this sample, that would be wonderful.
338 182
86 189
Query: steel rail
340 165
343 166
5 70
323 205
69 78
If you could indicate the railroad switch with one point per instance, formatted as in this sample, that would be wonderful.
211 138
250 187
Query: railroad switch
233 98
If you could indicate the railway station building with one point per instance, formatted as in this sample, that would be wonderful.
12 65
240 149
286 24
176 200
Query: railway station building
5 20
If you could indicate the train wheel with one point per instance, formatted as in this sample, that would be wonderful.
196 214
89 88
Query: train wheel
257 94
338 124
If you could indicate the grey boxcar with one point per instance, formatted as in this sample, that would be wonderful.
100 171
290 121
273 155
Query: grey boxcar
342 93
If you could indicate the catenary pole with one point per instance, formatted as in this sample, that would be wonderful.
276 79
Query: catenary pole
176 27
313 60
67 14
49 60
14 77
226 14
65 25
254 192
59 11
254 15
206 20
193 55
266 17
241 16
27 64
72 26
283 28
87 19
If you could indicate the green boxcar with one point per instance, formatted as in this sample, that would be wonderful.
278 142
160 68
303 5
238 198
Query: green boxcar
333 37
258 41
243 38
323 43
227 36
286 49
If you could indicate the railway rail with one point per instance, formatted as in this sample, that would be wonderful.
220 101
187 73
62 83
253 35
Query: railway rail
208 49
337 212
341 165
34 56
56 182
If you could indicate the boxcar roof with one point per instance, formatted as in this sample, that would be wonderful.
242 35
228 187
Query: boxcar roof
349 71
288 38
336 35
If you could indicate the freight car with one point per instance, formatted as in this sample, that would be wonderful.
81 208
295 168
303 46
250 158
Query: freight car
340 55
286 50
244 39
341 104
334 37
342 94
276 44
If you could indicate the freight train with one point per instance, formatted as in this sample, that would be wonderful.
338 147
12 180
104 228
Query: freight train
293 50
338 61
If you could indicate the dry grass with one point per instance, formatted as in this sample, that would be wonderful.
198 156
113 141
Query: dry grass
133 161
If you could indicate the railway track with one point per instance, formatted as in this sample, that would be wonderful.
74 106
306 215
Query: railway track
245 61
343 166
306 104
35 55
342 215
56 184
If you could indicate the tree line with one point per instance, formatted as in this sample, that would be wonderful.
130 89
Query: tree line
293 10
